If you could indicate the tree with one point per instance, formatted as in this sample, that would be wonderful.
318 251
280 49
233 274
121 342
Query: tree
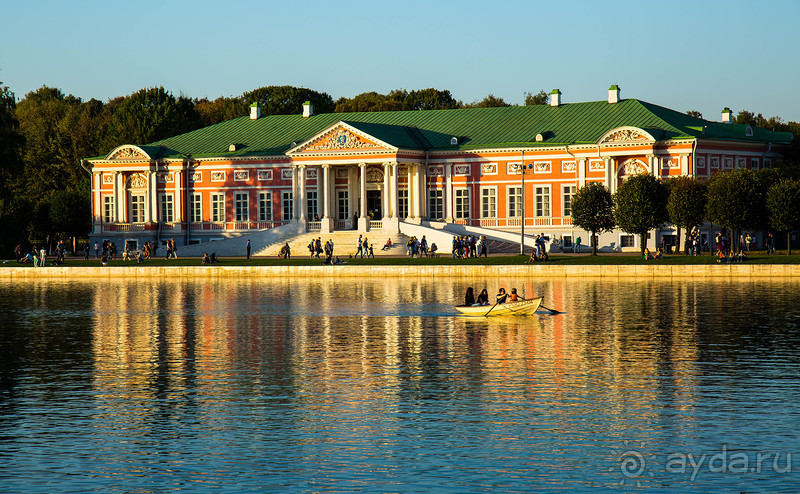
150 115
686 204
736 200
694 113
783 204
540 98
286 100
11 141
593 210
429 99
371 101
70 213
489 101
640 205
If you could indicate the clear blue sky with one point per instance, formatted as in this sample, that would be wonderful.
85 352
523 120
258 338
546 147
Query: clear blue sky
702 55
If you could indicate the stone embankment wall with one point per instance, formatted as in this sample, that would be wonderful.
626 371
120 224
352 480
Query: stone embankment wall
711 271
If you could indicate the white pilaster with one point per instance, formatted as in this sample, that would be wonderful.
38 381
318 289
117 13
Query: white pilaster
684 164
302 199
295 194
448 192
423 191
363 218
581 166
178 203
386 197
395 194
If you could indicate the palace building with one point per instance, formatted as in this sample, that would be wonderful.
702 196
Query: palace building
480 170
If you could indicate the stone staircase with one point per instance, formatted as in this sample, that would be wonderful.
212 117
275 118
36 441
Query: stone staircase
344 244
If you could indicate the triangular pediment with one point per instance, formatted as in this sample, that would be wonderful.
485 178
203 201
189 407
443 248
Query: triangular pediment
128 152
341 138
626 134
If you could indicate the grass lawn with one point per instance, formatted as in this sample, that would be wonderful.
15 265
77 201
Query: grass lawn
555 260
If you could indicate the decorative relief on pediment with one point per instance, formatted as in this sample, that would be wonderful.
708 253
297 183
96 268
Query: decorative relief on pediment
265 175
461 169
137 181
286 174
633 167
128 153
568 166
436 171
625 135
374 174
340 139
489 169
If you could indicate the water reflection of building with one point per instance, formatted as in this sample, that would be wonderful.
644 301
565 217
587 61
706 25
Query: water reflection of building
343 345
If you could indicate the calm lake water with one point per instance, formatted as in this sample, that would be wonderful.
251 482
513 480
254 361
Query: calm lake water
378 386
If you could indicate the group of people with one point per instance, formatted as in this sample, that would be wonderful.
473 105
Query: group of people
37 256
539 251
465 246
364 247
483 298
209 259
418 247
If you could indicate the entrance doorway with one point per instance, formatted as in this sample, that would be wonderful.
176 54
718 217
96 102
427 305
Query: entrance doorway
374 204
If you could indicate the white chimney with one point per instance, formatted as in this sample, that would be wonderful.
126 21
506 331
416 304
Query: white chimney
555 97
308 109
613 94
255 111
726 115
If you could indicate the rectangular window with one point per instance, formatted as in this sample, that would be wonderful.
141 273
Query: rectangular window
265 206
489 203
218 208
241 206
311 201
626 241
287 206
543 201
108 209
435 204
402 203
196 208
514 202
167 210
137 209
462 204
343 211
569 192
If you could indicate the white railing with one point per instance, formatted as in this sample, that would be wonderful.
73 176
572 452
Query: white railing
543 221
124 227
488 222
514 222
341 225
313 226
167 226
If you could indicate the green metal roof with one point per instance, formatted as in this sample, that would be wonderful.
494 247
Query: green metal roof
475 128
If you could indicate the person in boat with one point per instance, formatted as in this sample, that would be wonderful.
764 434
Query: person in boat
483 298
469 298
502 296
513 297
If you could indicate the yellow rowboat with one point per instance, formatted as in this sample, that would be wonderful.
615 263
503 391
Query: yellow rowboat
519 308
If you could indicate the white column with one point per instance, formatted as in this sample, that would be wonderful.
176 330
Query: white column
177 202
611 175
684 164
652 162
97 206
302 199
581 164
363 218
411 193
386 198
395 193
119 197
326 191
352 179
295 194
448 192
423 190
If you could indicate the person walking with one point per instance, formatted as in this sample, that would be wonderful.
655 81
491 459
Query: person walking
359 248
247 248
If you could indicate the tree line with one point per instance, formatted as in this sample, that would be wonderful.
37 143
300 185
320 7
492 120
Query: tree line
734 200
45 194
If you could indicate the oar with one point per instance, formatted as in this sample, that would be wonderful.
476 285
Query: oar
552 311
490 310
